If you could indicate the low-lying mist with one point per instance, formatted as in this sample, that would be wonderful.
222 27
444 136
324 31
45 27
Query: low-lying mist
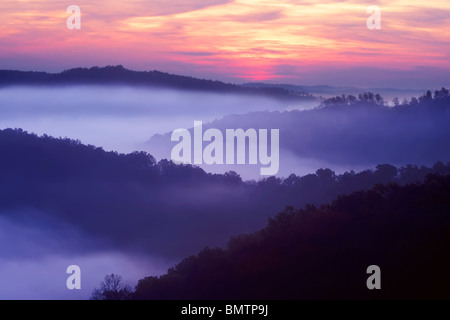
132 215
338 137
36 249
65 203
117 117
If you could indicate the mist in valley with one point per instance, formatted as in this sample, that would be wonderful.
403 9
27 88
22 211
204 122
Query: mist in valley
120 118
66 203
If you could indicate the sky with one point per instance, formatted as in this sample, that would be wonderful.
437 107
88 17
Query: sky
280 41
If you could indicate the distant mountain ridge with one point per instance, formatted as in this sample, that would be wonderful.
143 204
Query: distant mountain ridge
118 75
330 91
347 130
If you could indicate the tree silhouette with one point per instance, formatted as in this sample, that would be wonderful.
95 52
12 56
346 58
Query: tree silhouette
112 288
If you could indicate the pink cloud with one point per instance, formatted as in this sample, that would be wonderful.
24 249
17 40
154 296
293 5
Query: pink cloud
239 39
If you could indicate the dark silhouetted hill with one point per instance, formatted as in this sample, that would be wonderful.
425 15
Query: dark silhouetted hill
158 208
350 131
118 75
324 253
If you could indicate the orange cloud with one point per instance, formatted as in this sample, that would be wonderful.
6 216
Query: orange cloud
240 38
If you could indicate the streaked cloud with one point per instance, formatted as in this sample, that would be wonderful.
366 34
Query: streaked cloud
240 39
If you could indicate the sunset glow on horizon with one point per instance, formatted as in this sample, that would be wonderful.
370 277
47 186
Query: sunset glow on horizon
302 42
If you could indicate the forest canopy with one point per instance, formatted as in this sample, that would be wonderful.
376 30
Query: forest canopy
323 252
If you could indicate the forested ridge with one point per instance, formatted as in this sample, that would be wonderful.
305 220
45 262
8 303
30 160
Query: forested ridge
396 217
135 202
323 252
118 75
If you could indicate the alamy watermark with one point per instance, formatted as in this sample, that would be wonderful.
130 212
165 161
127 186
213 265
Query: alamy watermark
74 280
73 22
232 150
374 21
374 281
